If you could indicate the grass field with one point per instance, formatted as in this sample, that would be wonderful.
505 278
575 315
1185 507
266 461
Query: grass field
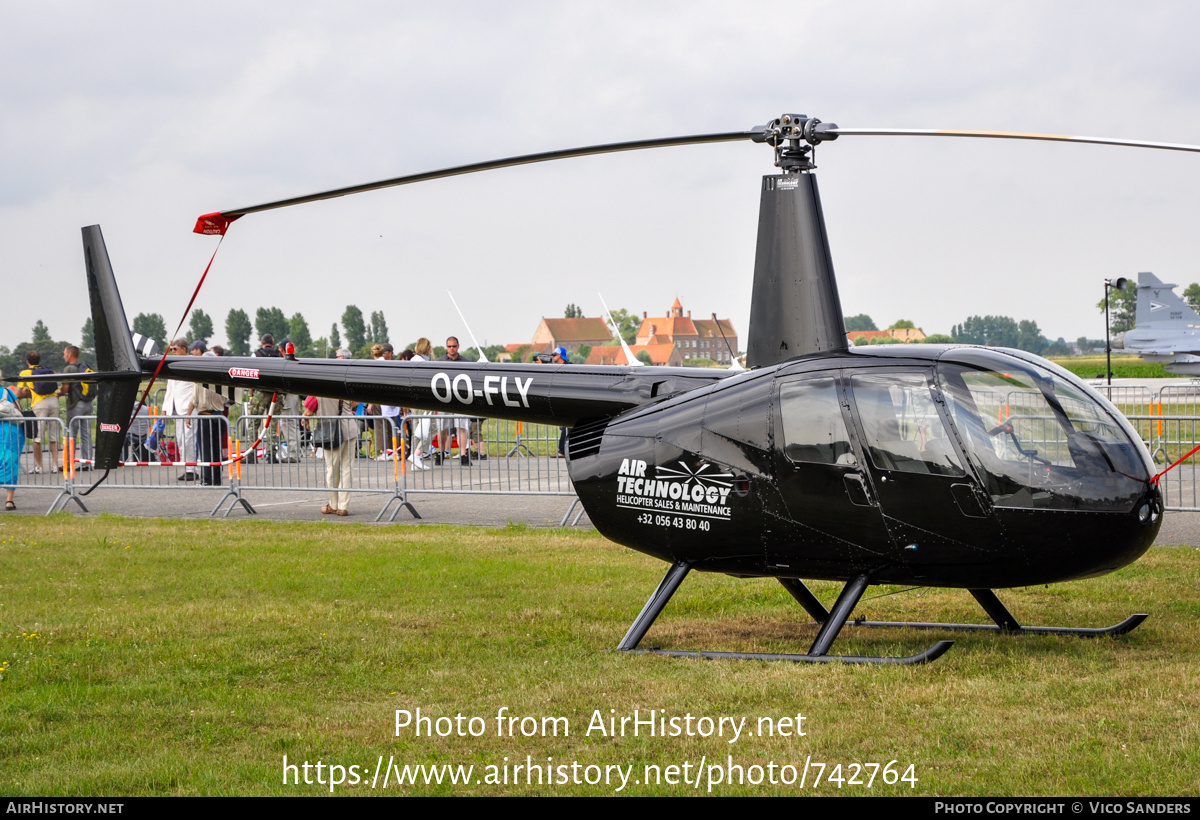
165 657
1123 367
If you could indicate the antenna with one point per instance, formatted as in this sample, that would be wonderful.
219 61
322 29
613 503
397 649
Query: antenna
629 357
482 356
735 364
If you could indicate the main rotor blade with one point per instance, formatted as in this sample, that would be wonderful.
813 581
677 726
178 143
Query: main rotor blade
527 159
1007 135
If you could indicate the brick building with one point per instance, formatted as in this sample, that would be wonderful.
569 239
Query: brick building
695 338
902 334
571 334
663 354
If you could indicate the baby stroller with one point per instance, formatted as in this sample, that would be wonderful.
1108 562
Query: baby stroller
159 446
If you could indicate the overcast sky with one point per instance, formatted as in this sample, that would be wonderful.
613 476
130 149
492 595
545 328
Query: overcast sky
141 116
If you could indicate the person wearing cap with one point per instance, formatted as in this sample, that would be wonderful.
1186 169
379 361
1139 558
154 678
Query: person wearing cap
560 356
260 400
260 404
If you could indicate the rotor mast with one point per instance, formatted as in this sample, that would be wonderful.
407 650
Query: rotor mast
795 308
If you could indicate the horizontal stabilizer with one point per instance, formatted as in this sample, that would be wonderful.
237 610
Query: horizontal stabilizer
145 346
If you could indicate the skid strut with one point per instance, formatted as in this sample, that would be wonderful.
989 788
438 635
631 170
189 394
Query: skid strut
992 605
831 624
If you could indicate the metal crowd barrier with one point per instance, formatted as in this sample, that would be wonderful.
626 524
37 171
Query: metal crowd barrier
162 451
53 471
1127 398
1173 437
288 459
423 453
501 457
159 453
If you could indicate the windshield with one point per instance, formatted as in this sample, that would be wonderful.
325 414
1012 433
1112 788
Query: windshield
1038 440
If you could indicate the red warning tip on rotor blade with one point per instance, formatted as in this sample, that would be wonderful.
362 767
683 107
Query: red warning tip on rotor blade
213 224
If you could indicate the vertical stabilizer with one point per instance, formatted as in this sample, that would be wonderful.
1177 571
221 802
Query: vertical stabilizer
1158 306
114 351
794 307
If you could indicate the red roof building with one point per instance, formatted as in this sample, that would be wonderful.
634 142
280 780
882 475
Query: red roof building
903 334
660 355
695 338
571 334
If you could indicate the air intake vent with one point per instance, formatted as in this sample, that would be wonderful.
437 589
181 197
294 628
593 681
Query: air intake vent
584 438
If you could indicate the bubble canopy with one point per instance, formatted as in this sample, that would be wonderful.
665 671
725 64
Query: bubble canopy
1039 438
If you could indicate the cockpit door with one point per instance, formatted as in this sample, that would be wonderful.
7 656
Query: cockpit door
932 504
829 498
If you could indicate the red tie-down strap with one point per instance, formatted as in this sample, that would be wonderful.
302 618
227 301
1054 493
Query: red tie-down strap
1190 453
186 310
212 224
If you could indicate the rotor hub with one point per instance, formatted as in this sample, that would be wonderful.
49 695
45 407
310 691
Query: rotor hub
793 136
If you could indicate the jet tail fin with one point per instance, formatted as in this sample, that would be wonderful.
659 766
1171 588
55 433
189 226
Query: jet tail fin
1158 306
115 352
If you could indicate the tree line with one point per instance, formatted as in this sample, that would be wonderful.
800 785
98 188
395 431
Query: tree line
242 335
357 334
994 331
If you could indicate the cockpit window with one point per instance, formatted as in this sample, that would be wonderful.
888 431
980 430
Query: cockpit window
813 428
1039 441
903 429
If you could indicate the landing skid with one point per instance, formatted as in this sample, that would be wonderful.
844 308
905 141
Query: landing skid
931 654
992 605
831 624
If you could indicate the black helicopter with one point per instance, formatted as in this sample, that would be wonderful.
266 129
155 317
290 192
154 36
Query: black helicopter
947 466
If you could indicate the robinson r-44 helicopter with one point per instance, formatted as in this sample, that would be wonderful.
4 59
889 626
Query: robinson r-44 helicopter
944 466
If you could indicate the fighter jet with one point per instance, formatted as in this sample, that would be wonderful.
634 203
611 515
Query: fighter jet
1166 329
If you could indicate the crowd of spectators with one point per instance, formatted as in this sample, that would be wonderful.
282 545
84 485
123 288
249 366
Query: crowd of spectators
202 426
